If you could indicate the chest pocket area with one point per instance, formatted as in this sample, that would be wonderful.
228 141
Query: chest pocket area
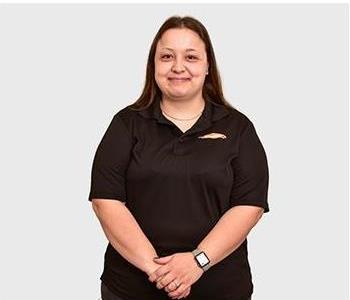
205 143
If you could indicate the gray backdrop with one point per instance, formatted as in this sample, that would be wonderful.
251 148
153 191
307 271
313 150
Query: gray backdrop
65 70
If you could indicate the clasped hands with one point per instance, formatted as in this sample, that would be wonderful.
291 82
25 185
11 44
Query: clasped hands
176 274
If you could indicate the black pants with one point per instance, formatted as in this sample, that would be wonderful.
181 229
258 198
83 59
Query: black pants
106 294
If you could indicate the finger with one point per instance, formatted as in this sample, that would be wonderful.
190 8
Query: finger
188 292
157 274
185 293
163 260
171 287
178 291
164 281
154 276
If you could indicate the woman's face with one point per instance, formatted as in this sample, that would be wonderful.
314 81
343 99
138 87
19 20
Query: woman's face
180 64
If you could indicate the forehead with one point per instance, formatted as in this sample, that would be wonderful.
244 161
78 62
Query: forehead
181 39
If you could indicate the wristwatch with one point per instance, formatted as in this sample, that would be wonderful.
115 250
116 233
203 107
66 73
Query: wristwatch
202 259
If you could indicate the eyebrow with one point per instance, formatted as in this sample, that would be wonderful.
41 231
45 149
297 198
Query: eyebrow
188 49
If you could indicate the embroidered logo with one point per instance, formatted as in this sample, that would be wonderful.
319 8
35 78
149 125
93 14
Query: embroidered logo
213 135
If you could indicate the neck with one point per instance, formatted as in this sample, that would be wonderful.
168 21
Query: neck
183 109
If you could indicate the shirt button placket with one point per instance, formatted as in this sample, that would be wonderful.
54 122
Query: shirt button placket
179 146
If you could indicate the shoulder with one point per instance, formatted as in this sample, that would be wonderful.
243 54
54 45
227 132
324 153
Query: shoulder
126 115
238 119
245 128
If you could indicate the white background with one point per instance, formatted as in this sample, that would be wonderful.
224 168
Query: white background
65 70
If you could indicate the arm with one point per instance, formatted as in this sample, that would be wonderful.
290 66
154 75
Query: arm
226 236
248 198
124 233
107 191
230 231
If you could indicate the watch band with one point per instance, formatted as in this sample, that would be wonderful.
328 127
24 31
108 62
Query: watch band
201 259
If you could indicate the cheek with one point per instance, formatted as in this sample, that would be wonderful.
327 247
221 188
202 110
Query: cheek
160 75
162 69
198 76
161 78
197 71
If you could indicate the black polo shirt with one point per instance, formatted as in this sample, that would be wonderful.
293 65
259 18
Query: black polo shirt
177 186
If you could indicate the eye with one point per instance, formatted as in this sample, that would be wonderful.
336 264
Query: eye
165 55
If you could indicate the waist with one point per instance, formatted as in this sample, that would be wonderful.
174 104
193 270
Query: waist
228 279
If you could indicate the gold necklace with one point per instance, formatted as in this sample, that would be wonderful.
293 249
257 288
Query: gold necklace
182 119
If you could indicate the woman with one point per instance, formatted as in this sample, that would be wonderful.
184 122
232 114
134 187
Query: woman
182 175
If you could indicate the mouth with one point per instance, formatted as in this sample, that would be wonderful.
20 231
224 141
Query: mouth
178 79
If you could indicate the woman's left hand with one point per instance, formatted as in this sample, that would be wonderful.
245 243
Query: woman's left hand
179 267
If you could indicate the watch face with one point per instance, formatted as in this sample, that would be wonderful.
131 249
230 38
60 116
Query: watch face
202 258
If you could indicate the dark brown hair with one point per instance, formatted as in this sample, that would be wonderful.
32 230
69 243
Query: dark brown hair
212 87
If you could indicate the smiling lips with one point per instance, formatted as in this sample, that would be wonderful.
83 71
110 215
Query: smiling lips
178 79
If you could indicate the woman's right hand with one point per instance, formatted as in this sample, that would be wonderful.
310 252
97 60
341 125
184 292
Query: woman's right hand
153 267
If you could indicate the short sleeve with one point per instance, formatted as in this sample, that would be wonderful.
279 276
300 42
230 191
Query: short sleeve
250 169
110 163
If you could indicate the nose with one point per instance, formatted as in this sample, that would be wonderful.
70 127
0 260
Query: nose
178 66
